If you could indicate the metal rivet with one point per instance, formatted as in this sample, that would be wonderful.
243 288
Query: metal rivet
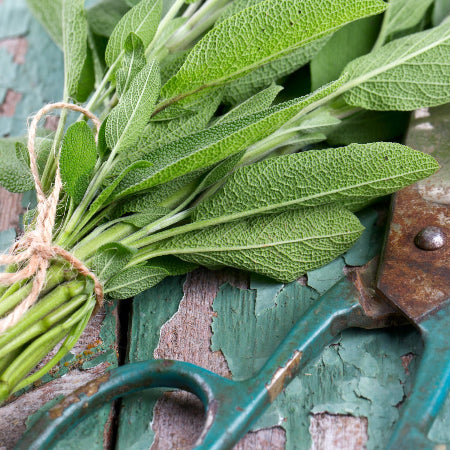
430 238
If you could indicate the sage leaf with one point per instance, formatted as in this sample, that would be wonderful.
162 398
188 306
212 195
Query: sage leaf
15 174
405 74
270 30
281 246
142 219
132 63
350 42
260 101
244 87
110 259
130 282
49 13
74 34
104 16
402 15
142 19
440 11
77 159
127 120
316 177
212 145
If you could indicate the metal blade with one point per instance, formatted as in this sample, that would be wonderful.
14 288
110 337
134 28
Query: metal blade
414 273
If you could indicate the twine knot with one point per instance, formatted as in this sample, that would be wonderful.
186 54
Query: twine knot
35 248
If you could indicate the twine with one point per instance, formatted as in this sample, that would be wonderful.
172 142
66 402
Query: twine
35 248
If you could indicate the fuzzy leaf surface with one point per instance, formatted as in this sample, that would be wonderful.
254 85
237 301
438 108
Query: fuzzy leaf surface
142 19
133 62
77 160
316 177
212 145
282 246
49 13
406 74
403 15
110 259
74 33
259 35
127 120
258 102
104 16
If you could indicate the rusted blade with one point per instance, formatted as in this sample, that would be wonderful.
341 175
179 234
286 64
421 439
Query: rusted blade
414 273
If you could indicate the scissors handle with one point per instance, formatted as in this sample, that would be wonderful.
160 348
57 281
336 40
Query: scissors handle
231 407
431 387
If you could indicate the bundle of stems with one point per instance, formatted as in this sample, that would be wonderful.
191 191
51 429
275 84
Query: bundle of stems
175 179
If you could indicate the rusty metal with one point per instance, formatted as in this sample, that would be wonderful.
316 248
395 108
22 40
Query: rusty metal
282 375
430 238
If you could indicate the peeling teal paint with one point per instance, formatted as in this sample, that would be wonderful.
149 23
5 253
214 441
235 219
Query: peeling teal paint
151 310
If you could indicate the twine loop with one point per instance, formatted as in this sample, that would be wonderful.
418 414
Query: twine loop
35 249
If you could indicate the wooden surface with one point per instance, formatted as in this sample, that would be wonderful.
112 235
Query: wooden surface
178 417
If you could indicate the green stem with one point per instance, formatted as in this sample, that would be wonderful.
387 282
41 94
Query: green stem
48 303
43 325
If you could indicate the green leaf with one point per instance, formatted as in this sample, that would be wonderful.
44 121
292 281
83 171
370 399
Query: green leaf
49 13
402 15
440 11
350 42
239 90
403 75
74 33
142 19
77 159
369 126
104 16
336 175
132 63
15 174
128 119
110 259
132 281
281 27
282 246
142 219
212 145
260 101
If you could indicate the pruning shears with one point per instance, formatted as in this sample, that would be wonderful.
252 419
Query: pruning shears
409 284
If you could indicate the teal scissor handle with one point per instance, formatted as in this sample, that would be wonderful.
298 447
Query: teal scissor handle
231 406
431 386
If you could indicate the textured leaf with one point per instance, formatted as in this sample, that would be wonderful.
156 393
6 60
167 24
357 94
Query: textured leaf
74 32
258 35
140 220
350 42
109 259
440 11
49 13
133 62
405 74
77 160
239 90
143 20
281 246
369 126
129 117
402 15
214 144
15 174
316 177
260 101
132 281
104 16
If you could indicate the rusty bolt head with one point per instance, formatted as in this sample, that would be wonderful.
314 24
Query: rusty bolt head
430 238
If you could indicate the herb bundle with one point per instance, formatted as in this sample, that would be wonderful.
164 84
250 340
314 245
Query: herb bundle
174 180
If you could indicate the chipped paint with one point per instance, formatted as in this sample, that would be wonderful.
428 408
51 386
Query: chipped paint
424 126
282 375
421 113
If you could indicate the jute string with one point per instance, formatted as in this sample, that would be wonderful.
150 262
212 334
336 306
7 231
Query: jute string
35 249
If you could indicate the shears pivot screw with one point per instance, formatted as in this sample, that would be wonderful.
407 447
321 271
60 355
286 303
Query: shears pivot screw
430 238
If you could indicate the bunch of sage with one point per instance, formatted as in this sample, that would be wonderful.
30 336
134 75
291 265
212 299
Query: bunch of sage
196 162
